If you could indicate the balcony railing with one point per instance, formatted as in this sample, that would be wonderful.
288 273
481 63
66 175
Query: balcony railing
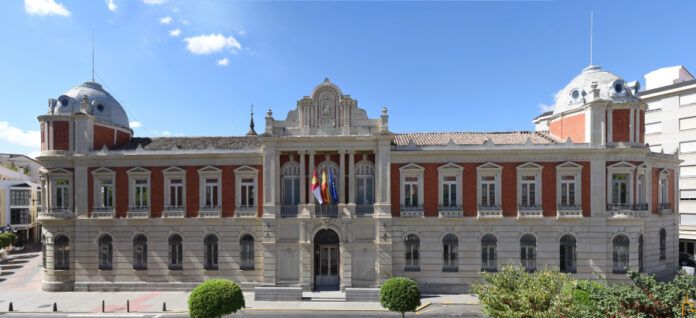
640 207
364 209
623 210
568 211
288 211
450 211
101 212
57 213
209 212
246 211
665 207
326 211
529 211
411 211
618 206
490 211
174 212
138 212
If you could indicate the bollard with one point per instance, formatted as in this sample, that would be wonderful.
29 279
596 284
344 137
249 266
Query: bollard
164 306
11 307
55 307
102 306
127 305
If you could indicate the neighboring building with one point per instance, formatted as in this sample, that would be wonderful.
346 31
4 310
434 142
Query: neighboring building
19 167
20 201
134 213
670 127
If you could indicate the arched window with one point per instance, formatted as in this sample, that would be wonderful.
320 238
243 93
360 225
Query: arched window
61 252
211 252
640 253
412 253
620 255
176 252
450 246
140 252
488 253
247 252
106 252
291 184
365 185
567 257
663 244
528 252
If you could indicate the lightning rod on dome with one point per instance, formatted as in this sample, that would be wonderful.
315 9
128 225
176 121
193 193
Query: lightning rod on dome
591 31
93 55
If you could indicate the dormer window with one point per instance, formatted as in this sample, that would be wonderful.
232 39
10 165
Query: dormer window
576 95
64 101
618 88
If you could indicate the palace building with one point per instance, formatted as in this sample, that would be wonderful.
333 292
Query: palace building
581 193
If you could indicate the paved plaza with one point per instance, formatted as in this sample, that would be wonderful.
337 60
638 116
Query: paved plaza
20 284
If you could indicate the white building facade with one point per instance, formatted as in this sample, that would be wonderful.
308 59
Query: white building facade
130 213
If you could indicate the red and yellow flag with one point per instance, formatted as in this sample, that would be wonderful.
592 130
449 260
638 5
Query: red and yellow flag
324 187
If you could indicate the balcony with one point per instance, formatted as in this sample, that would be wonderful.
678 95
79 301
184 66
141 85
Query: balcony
138 212
326 211
209 212
529 211
489 211
451 211
53 213
640 206
364 210
174 212
247 211
625 211
411 211
101 212
288 211
567 211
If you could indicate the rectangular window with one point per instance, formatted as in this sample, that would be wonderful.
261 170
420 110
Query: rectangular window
687 194
141 198
211 193
664 197
291 190
619 188
365 191
20 216
488 258
528 184
653 128
62 193
687 146
176 193
106 193
652 106
568 190
247 188
687 123
449 191
411 191
488 191
20 197
685 100
687 171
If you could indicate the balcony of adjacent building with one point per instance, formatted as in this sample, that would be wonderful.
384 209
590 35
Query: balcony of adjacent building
56 213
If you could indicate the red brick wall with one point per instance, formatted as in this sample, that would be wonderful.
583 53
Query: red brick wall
103 136
469 196
671 188
570 126
642 126
586 186
122 137
228 191
156 191
395 190
621 125
548 188
44 146
431 189
655 189
192 202
121 192
259 196
61 135
508 186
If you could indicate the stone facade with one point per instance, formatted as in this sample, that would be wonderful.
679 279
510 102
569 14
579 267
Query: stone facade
436 207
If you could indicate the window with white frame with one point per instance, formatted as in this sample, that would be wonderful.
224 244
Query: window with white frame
210 189
620 254
412 244
687 146
528 188
176 192
687 194
687 123
620 184
104 188
619 188
450 185
488 191
365 183
411 186
654 105
139 180
246 178
529 183
450 254
449 191
488 253
175 188
489 185
687 171
568 186
641 197
247 193
664 188
528 252
568 180
211 193
291 184
62 193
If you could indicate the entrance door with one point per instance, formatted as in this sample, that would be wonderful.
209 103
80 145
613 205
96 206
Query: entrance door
326 260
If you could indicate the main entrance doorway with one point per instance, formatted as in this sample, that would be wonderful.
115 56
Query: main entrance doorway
326 260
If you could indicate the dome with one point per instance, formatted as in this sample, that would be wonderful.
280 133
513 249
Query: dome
103 106
611 87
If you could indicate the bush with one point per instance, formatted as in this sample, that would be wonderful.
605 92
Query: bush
215 298
400 294
7 239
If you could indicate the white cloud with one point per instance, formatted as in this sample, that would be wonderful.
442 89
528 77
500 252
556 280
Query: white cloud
166 20
211 43
186 22
154 2
175 33
166 133
16 136
112 5
242 32
544 108
223 62
45 7
135 124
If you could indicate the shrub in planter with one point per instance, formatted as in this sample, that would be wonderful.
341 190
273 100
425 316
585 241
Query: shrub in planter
400 294
215 298
7 239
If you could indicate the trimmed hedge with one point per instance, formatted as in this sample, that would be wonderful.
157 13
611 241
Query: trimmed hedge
400 294
215 298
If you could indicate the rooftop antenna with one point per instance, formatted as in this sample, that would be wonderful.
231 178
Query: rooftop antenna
591 31
93 55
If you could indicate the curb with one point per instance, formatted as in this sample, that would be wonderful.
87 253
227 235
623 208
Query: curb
423 306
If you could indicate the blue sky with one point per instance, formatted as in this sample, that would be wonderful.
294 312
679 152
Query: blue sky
437 66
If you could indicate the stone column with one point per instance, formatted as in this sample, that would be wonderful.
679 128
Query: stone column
383 179
270 173
342 180
312 200
303 179
384 251
351 177
346 250
80 191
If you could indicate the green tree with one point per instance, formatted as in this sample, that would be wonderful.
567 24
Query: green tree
400 294
7 239
215 298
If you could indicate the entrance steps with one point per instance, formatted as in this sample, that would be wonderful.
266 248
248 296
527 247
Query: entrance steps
277 293
331 296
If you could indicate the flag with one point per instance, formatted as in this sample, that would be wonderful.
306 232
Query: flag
324 187
315 188
332 186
